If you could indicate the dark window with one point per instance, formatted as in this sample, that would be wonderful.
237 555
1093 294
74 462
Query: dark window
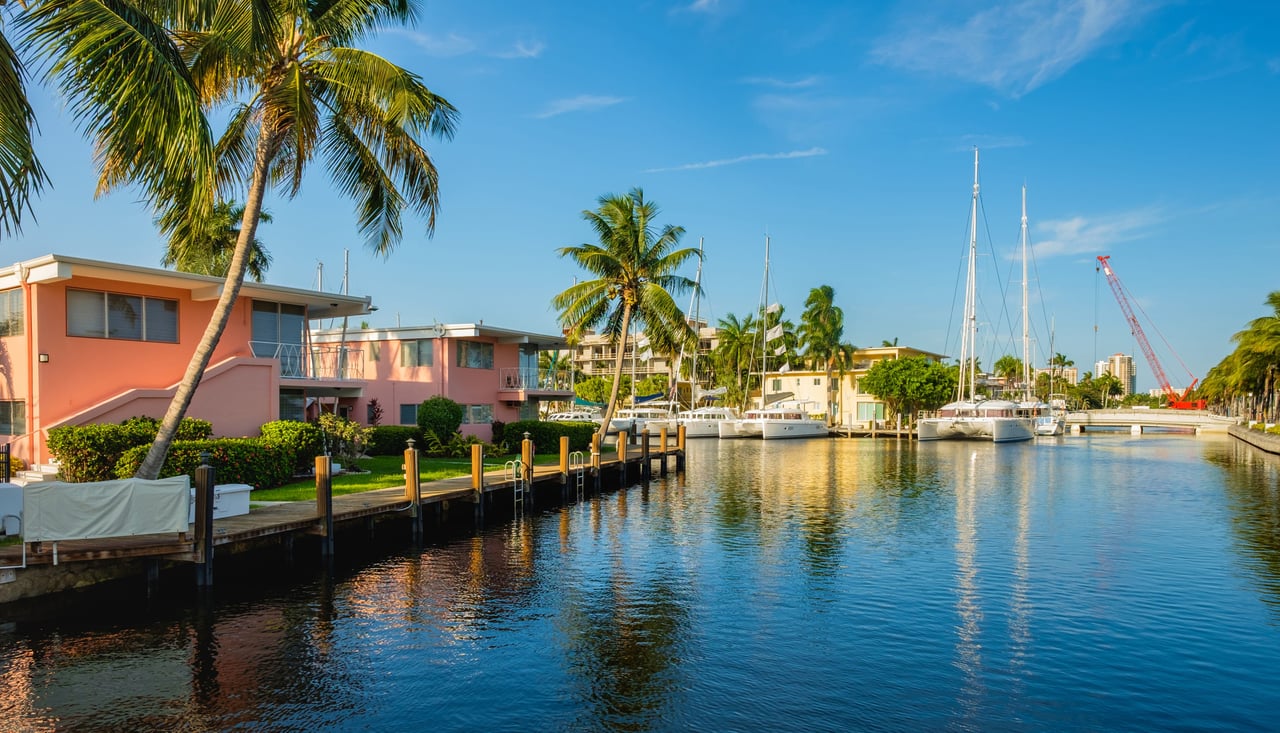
11 321
475 355
13 417
95 314
408 414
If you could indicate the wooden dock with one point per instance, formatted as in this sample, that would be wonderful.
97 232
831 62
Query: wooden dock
521 486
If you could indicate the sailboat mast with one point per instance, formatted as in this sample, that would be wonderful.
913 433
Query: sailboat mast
764 328
968 348
697 334
1026 337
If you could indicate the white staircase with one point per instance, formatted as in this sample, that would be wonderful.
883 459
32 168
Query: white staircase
36 473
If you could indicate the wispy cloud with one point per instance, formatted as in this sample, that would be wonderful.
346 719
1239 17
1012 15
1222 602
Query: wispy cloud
811 152
769 81
1081 235
523 50
580 103
449 44
1013 46
702 6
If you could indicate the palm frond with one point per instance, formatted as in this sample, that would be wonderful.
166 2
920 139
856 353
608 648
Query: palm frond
21 175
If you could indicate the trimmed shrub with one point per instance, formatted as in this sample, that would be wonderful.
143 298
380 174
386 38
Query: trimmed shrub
90 452
258 462
439 415
546 435
499 435
390 440
302 440
458 446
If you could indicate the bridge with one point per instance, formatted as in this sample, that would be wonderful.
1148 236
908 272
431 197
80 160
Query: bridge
1138 420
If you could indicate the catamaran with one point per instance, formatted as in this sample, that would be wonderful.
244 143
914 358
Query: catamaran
970 415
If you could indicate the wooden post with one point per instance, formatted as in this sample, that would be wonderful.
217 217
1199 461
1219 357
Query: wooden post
646 468
526 467
622 457
204 522
324 503
595 461
564 469
413 488
662 451
680 437
477 479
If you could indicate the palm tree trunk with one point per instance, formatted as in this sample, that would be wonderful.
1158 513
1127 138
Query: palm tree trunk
617 373
150 468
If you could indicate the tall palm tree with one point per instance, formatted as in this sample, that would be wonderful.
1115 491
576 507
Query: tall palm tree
297 88
735 341
635 268
210 247
21 175
820 333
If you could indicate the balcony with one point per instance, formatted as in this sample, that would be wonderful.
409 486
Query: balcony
517 384
327 363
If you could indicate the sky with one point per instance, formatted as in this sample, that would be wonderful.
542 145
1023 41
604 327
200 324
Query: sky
1143 130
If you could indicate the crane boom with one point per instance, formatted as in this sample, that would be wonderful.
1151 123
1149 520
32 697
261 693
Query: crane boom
1175 400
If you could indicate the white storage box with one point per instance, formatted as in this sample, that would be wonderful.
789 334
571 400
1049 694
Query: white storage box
229 500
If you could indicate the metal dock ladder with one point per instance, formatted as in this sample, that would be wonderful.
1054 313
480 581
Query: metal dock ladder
515 472
578 470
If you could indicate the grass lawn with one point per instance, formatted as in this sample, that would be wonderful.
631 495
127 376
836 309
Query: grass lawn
385 472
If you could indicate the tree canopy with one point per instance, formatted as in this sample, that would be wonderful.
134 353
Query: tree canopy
910 384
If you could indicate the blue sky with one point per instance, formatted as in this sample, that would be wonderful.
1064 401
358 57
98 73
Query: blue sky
1143 130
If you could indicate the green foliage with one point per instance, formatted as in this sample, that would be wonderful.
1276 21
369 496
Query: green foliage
392 440
346 439
439 415
302 440
654 384
593 389
375 407
90 452
257 462
458 445
498 429
546 435
15 465
909 385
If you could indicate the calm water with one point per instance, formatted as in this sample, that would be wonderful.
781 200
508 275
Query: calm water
1087 583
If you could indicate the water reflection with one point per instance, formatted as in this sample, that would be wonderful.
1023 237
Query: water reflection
1252 481
838 585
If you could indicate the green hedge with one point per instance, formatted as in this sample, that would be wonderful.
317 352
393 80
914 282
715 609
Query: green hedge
546 435
258 462
391 440
90 452
303 440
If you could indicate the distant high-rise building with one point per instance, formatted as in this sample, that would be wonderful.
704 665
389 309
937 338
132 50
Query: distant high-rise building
1121 367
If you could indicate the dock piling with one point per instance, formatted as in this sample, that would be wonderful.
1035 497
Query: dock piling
646 467
324 504
662 451
564 469
204 522
413 489
680 438
477 481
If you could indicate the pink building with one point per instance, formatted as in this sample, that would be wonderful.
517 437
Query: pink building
493 372
84 341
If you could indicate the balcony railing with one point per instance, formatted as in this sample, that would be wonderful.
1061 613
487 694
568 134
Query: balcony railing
314 362
535 379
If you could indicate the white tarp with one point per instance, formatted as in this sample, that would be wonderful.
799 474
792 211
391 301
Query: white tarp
55 511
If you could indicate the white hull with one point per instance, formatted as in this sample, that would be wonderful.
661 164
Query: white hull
1051 425
729 429
705 422
781 429
995 429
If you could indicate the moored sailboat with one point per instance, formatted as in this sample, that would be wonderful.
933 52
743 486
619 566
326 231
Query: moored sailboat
971 416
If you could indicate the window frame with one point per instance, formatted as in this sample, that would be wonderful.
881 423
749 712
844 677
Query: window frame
145 312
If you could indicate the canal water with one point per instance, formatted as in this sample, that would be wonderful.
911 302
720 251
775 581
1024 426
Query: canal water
1107 582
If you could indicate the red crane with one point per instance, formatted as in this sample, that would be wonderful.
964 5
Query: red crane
1176 401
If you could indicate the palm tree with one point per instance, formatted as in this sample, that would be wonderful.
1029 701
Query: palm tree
821 331
210 249
1008 368
635 279
21 175
1058 363
297 88
734 349
129 89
